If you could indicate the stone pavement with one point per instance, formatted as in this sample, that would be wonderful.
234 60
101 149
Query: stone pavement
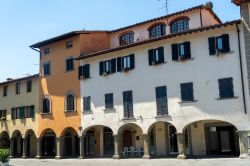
132 162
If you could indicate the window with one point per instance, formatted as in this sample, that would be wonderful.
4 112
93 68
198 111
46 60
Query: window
187 93
109 102
126 63
126 39
20 112
181 51
30 111
29 86
128 104
83 72
219 44
226 88
156 56
180 25
5 90
161 100
87 104
69 64
70 102
46 51
46 106
69 44
3 114
46 69
108 67
157 31
18 88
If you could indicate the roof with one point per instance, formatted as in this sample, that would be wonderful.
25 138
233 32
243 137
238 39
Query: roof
20 79
238 2
190 31
61 37
207 6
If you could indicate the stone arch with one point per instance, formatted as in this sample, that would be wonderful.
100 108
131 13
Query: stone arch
31 142
48 138
70 142
17 144
4 140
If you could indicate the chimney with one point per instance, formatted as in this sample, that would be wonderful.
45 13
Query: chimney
9 79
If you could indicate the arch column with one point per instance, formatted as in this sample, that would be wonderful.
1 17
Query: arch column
24 148
38 148
116 146
181 146
81 143
145 138
11 148
58 148
243 142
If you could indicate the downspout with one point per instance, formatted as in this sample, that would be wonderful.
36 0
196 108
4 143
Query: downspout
241 70
201 18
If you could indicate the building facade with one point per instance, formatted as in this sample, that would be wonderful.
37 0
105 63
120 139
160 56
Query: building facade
169 86
19 110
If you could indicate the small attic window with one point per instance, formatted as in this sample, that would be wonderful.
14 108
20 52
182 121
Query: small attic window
46 51
69 44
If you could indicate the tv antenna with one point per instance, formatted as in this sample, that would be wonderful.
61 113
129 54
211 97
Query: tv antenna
166 5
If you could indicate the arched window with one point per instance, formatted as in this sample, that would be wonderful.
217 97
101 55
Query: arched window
157 31
46 105
127 38
70 101
180 25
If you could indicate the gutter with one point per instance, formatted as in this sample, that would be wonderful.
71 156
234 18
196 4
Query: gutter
241 70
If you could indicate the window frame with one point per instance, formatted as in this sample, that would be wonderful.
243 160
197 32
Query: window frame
179 24
189 98
109 106
3 114
29 86
66 108
47 73
5 90
46 51
18 88
126 38
222 94
159 108
48 98
72 65
88 98
126 105
69 44
157 30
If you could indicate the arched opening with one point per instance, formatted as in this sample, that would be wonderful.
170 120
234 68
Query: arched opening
49 144
163 140
46 103
99 142
157 30
31 143
126 38
212 138
131 141
179 24
70 143
17 144
4 140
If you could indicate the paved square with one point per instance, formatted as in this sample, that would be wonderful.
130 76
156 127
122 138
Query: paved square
132 162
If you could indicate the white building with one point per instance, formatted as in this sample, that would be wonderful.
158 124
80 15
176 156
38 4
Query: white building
174 85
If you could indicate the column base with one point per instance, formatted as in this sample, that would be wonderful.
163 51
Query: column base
38 157
146 157
58 157
244 156
81 157
181 156
116 156
24 157
11 157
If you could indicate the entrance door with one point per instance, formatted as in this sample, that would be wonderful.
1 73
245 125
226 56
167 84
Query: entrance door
90 144
68 145
127 138
173 146
108 141
49 146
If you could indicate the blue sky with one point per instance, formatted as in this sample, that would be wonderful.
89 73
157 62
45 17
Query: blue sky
25 22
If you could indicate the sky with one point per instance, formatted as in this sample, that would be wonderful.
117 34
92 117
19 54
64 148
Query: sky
25 22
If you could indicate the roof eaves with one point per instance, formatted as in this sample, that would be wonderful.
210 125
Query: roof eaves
20 79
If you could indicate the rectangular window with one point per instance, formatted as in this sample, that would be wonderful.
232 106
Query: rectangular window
128 104
86 104
3 114
5 90
69 64
187 93
107 67
181 51
109 102
69 44
156 56
30 111
226 88
126 63
46 51
46 69
219 44
29 86
83 72
161 100
18 88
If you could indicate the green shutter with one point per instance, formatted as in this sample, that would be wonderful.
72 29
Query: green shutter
13 111
22 112
32 111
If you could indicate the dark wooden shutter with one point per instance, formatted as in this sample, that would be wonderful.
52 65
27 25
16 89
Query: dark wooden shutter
80 71
163 30
119 64
113 65
125 105
32 111
175 52
151 56
22 112
161 54
86 103
101 68
226 44
13 113
226 88
132 61
212 46
86 71
187 50
187 92
109 104
161 100
128 104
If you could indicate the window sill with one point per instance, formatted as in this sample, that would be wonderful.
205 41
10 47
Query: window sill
157 64
128 119
87 112
70 71
226 53
162 116
191 101
45 113
109 110
69 111
184 60
83 79
227 98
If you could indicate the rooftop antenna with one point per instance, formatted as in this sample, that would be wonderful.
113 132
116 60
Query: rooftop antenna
166 6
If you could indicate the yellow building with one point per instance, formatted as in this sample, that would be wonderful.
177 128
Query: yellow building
19 105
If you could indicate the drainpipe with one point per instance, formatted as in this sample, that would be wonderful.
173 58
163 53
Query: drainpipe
201 18
241 70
